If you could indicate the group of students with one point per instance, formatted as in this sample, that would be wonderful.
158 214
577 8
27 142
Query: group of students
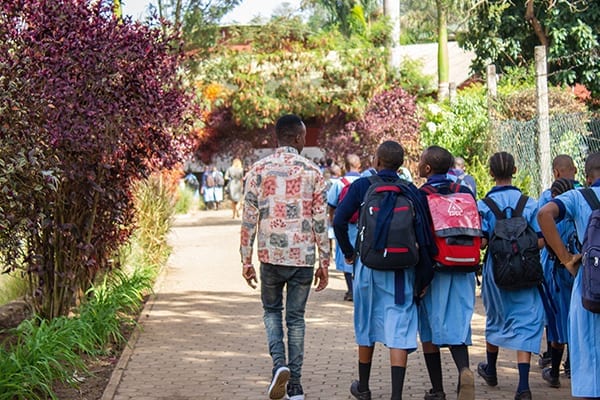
396 307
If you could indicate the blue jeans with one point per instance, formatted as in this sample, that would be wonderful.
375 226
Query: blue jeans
273 278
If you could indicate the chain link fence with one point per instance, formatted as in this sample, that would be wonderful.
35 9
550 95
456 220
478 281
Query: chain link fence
574 134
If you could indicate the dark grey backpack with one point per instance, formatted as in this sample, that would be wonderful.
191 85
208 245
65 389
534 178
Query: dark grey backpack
514 249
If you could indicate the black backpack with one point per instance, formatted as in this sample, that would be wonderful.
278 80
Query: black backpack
386 237
590 261
514 249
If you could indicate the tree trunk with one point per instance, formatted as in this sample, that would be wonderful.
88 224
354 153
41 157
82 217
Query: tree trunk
443 62
535 23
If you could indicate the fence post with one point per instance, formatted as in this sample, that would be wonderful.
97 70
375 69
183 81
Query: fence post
543 119
492 92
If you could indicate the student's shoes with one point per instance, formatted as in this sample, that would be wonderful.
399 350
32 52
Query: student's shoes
295 392
431 395
278 384
553 381
526 395
366 395
491 380
466 386
348 296
545 359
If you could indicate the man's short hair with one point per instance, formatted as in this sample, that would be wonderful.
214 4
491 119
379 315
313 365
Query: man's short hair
390 155
592 165
439 159
289 126
352 162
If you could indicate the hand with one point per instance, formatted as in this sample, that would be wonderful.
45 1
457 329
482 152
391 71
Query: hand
573 264
349 260
249 275
321 278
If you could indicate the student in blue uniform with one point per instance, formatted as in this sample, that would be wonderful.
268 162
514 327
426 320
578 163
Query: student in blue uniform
563 170
352 165
584 326
447 308
378 315
515 318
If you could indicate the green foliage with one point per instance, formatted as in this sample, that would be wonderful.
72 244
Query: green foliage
411 78
460 126
12 286
499 34
185 201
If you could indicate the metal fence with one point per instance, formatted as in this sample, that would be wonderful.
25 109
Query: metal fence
574 134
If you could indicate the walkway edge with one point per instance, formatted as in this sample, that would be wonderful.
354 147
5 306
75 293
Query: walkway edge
117 374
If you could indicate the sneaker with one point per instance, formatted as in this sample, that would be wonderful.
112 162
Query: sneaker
526 395
295 392
553 381
277 387
545 360
491 380
366 395
348 296
431 395
466 385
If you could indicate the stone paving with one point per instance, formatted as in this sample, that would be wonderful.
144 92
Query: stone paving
201 335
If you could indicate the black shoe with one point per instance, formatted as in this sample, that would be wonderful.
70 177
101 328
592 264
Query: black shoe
366 395
348 296
491 380
545 359
431 395
526 395
553 381
295 391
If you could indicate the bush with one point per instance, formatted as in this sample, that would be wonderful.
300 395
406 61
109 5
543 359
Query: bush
100 103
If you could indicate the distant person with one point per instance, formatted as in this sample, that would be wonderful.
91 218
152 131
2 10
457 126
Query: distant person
352 165
514 318
284 203
385 309
234 177
207 189
403 173
584 325
458 174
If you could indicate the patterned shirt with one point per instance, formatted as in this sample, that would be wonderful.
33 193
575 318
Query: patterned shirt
285 206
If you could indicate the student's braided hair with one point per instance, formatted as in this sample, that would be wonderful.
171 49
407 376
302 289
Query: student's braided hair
502 165
560 186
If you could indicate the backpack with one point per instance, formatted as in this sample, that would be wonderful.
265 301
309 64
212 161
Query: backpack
343 192
219 180
514 250
386 237
456 227
210 180
590 260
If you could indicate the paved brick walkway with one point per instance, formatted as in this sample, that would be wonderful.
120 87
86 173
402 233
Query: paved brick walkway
202 335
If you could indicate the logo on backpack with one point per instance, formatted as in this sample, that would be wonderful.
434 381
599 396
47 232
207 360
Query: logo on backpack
514 249
590 261
343 192
456 228
386 234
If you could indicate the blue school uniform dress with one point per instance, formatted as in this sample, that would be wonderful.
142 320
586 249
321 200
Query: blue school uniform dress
584 325
514 318
446 310
385 308
559 282
333 195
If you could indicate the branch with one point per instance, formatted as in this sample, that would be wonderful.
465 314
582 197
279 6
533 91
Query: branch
535 23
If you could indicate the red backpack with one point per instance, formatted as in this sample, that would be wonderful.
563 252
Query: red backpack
456 228
343 192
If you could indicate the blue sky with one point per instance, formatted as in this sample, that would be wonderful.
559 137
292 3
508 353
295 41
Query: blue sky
243 13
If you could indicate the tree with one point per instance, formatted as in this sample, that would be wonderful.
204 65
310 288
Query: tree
195 20
505 33
88 106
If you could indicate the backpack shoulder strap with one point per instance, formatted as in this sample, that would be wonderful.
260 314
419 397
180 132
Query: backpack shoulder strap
454 187
520 206
374 179
429 189
591 198
494 208
345 181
